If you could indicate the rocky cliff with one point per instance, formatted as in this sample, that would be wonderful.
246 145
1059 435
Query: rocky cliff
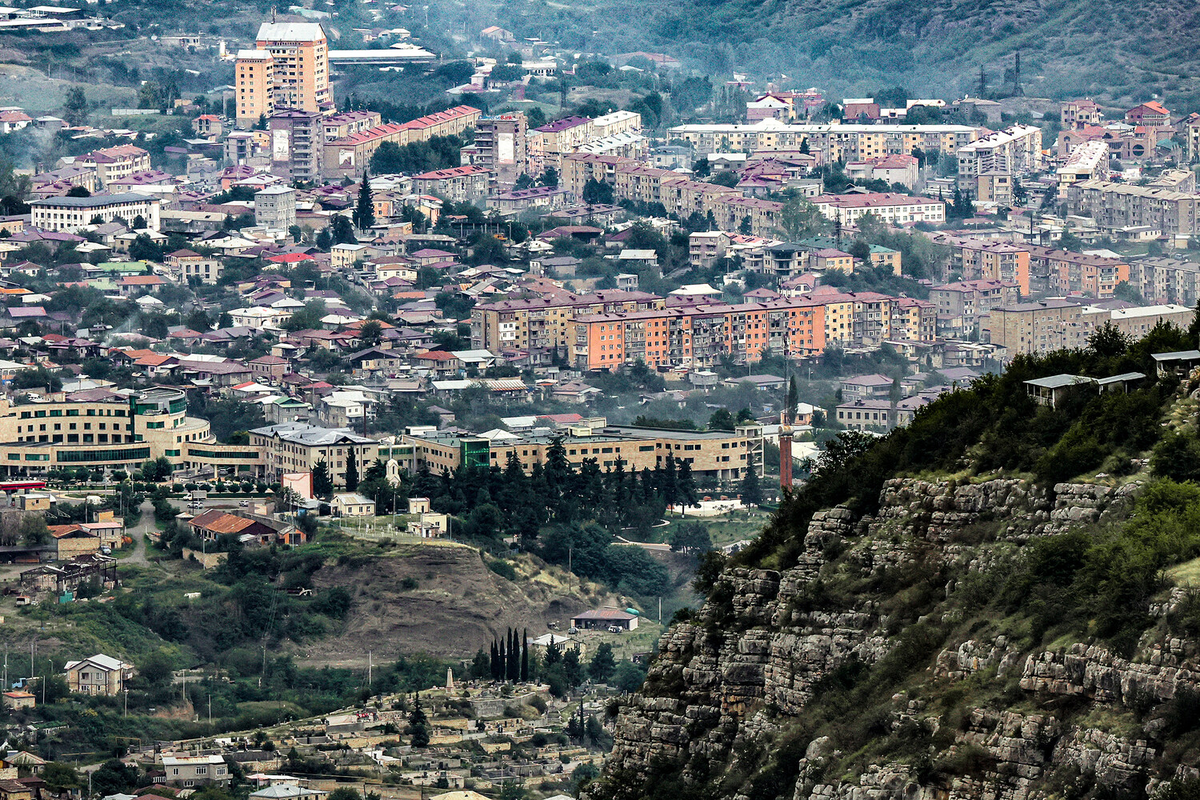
881 666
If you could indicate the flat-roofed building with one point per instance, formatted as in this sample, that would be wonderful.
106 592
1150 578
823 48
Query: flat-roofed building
1037 327
723 455
1119 206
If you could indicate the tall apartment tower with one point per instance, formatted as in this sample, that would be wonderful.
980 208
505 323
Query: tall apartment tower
255 79
501 144
289 68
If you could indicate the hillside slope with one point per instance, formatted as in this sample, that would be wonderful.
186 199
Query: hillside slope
1104 48
442 601
913 626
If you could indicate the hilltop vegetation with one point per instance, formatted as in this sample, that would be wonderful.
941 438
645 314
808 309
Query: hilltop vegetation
1067 49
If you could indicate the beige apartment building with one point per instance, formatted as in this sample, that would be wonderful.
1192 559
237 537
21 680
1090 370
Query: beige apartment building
297 447
1121 206
288 68
838 142
1037 327
546 322
723 455
254 81
301 63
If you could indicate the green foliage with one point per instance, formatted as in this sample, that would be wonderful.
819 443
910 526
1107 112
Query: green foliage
438 152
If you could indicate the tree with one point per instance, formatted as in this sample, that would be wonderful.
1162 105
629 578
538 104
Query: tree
602 665
419 724
628 677
364 212
139 223
573 667
801 219
342 230
751 489
793 400
75 107
351 471
344 793
1108 340
78 191
322 482
721 420
691 537
549 177
371 333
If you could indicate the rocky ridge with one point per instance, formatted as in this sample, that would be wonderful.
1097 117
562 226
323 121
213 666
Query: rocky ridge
747 665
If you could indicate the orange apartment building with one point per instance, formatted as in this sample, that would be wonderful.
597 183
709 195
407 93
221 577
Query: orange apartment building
254 76
698 335
987 259
546 322
1064 272
350 155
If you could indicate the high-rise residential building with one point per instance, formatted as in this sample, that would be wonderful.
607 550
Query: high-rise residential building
297 144
254 77
289 68
301 58
501 145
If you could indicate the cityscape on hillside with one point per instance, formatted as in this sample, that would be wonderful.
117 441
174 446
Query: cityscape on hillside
481 402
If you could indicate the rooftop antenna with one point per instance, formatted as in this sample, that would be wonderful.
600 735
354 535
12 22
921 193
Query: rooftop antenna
272 13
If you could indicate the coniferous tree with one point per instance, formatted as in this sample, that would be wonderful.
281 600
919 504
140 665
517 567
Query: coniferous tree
351 471
751 490
322 481
525 656
364 212
495 660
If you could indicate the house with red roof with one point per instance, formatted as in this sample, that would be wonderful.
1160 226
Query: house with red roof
1151 113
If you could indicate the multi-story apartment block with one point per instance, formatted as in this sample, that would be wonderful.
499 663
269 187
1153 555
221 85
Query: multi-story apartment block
545 322
1037 327
275 208
1166 280
890 209
1138 321
69 214
111 163
348 122
1117 207
254 76
549 143
297 144
300 57
1087 162
460 184
350 156
502 147
1064 272
1015 150
705 247
991 259
837 142
962 305
721 455
297 447
698 335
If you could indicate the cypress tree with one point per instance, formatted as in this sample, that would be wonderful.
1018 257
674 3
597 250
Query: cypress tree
525 657
514 654
495 660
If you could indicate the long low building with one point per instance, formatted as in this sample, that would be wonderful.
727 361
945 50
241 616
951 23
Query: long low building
852 142
72 213
723 455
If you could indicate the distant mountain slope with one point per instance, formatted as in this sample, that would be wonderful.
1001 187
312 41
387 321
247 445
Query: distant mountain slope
1104 48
